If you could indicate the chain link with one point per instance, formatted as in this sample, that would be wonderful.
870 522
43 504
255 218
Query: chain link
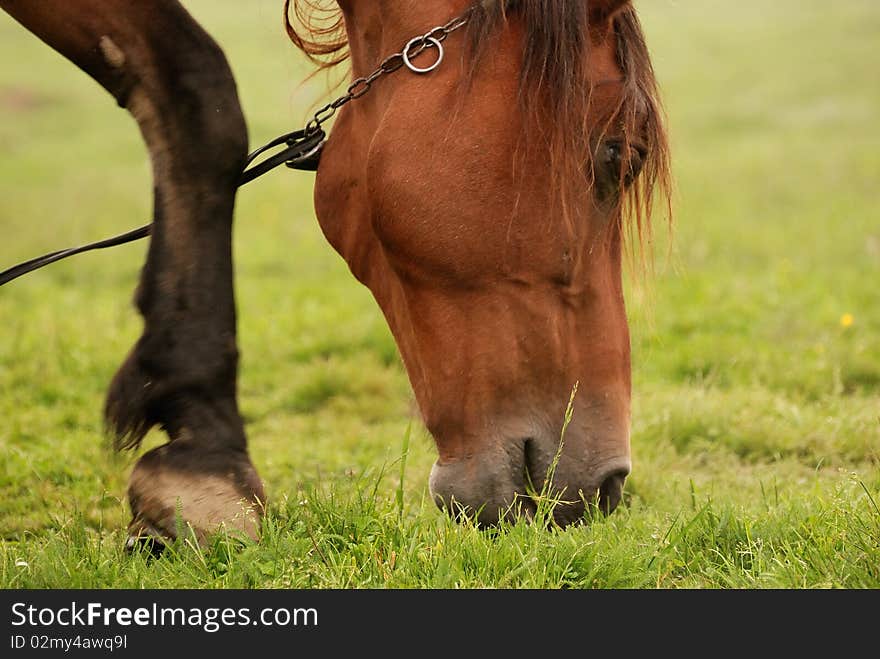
390 64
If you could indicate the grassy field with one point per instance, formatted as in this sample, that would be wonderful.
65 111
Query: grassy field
756 345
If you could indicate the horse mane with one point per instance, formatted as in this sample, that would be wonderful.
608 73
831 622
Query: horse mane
555 77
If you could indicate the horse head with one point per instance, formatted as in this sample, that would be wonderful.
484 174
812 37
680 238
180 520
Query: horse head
488 206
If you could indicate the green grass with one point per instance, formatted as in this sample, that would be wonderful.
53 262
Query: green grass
756 410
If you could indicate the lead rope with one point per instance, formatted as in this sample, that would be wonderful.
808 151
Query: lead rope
303 147
303 152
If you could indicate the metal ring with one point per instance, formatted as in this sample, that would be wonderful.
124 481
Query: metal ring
423 41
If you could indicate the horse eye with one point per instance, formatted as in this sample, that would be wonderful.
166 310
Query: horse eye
619 161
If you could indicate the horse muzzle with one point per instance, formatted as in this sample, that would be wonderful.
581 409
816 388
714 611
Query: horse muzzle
518 478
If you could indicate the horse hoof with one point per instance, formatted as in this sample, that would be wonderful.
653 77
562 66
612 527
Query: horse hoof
176 491
151 545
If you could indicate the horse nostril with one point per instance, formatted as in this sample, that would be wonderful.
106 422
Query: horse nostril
611 490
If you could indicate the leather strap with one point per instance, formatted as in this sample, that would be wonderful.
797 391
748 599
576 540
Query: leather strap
303 152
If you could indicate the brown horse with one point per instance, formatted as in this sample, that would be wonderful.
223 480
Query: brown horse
485 204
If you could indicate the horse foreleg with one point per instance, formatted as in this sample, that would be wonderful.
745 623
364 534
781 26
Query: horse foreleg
171 76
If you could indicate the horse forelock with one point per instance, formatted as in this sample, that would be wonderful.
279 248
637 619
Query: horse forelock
555 77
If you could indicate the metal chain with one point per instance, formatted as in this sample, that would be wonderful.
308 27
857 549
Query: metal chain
415 47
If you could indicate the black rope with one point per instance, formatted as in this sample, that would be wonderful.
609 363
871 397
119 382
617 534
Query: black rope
302 151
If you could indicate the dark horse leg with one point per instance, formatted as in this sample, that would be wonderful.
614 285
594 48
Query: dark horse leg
172 77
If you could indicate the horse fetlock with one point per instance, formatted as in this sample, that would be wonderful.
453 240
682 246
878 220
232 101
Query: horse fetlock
127 408
178 491
175 388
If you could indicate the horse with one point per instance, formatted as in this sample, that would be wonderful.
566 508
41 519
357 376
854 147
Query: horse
485 179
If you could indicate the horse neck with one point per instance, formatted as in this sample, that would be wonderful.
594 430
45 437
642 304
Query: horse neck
380 28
